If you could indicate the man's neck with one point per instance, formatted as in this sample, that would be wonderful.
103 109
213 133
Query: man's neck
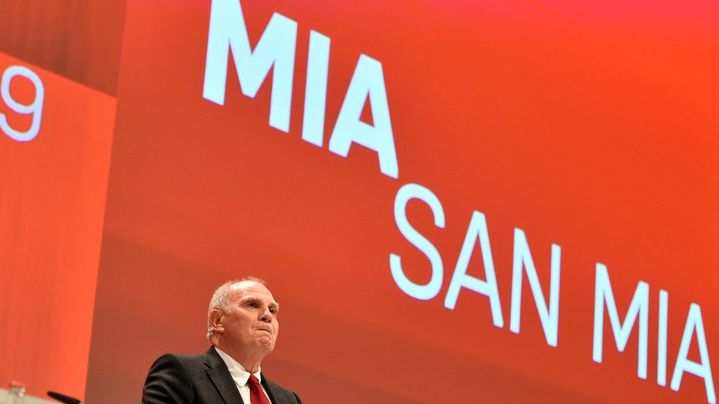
251 363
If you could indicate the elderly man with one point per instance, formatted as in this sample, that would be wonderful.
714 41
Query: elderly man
242 327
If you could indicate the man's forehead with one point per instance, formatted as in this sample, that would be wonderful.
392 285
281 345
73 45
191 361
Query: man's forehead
251 288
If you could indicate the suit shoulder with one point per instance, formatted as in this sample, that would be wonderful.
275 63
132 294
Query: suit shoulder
175 360
186 360
282 394
170 380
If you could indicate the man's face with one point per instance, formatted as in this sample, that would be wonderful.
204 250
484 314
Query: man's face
249 322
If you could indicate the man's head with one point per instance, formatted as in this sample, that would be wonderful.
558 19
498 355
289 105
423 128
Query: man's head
242 319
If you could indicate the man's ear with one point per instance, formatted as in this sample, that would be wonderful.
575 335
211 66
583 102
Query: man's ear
216 321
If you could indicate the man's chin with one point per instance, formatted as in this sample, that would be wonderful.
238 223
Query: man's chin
266 343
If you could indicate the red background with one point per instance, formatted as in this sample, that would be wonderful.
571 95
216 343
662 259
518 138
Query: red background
51 213
589 126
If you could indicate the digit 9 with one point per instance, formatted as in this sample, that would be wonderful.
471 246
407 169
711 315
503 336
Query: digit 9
34 108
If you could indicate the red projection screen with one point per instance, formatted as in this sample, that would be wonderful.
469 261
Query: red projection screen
452 201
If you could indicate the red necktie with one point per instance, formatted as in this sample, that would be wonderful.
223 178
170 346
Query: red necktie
257 396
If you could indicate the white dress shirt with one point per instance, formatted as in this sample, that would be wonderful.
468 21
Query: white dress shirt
240 375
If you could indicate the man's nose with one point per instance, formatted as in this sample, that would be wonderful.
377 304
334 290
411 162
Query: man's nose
266 315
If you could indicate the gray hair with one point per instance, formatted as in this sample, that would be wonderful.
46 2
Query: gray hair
221 298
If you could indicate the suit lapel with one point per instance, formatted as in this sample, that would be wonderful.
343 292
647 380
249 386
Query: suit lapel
221 378
275 398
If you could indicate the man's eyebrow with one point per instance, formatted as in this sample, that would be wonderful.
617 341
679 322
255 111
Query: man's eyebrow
250 299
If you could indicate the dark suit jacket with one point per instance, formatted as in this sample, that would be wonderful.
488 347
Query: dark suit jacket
201 379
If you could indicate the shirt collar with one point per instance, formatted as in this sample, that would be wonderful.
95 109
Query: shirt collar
238 372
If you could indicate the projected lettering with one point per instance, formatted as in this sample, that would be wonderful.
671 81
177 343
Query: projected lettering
34 108
639 307
476 230
276 51
548 311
